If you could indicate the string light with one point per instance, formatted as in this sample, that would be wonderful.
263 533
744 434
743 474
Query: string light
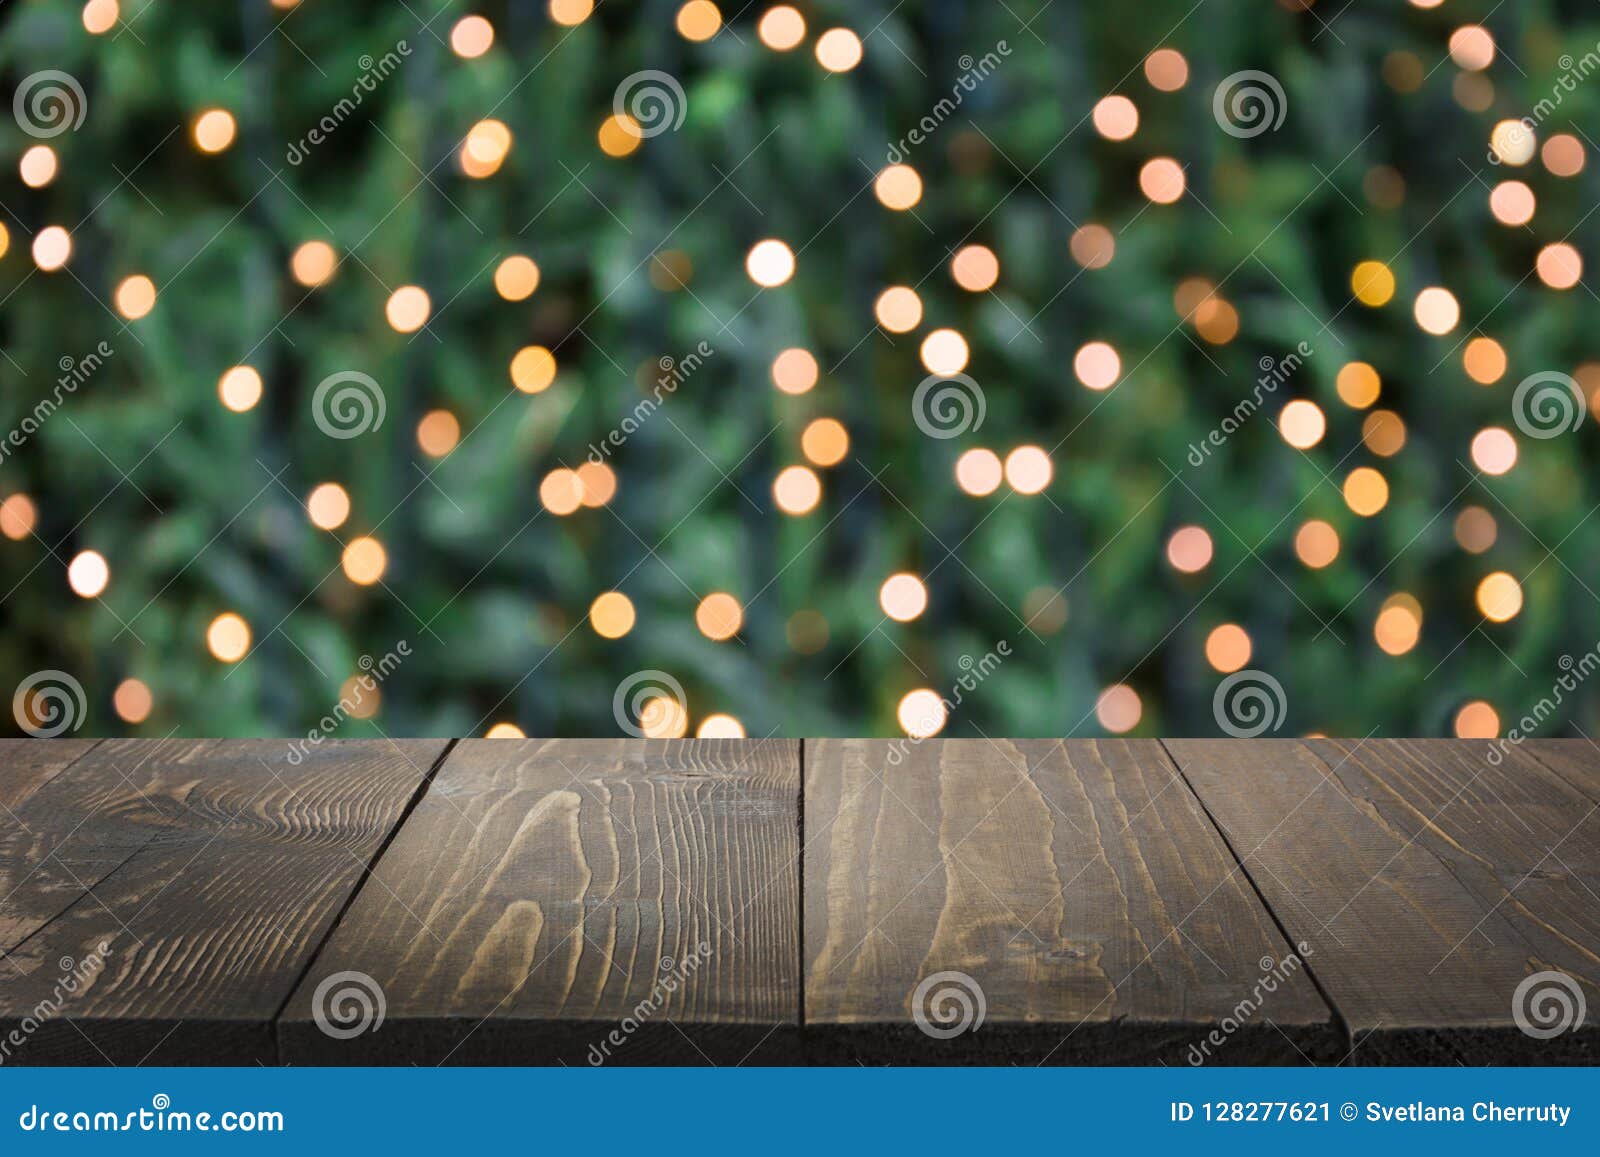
471 37
1166 69
135 296
611 615
1028 469
770 263
239 388
1228 648
838 50
313 263
1358 385
1477 720
132 701
921 713
979 472
1093 246
1475 530
52 247
88 574
516 277
1316 543
37 166
903 597
1118 708
1373 283
794 371
561 492
825 442
698 20
100 16
944 351
533 368
407 308
1437 311
1499 597
1494 450
228 637
570 12
1559 266
975 268
1484 360
1189 550
437 433
797 490
507 730
1097 365
781 28
1115 118
720 727
328 506
364 560
719 616
897 187
1162 180
898 309
18 515
619 135
213 130
1366 491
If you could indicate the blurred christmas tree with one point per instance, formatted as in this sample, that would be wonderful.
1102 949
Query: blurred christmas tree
417 370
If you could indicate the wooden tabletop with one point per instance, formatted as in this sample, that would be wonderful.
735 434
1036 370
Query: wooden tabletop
773 901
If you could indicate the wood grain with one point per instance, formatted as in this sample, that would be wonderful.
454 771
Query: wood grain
1431 878
26 765
210 872
543 893
1078 884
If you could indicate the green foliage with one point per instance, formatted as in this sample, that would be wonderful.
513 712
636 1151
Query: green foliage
199 510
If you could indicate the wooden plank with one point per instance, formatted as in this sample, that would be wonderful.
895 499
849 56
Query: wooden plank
543 894
215 871
1430 879
77 827
1078 885
1575 760
26 765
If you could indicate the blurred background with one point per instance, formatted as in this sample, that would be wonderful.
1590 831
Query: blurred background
570 368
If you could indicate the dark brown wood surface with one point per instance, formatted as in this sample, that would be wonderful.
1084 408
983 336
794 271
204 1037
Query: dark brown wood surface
1078 886
204 875
549 893
634 902
1430 877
